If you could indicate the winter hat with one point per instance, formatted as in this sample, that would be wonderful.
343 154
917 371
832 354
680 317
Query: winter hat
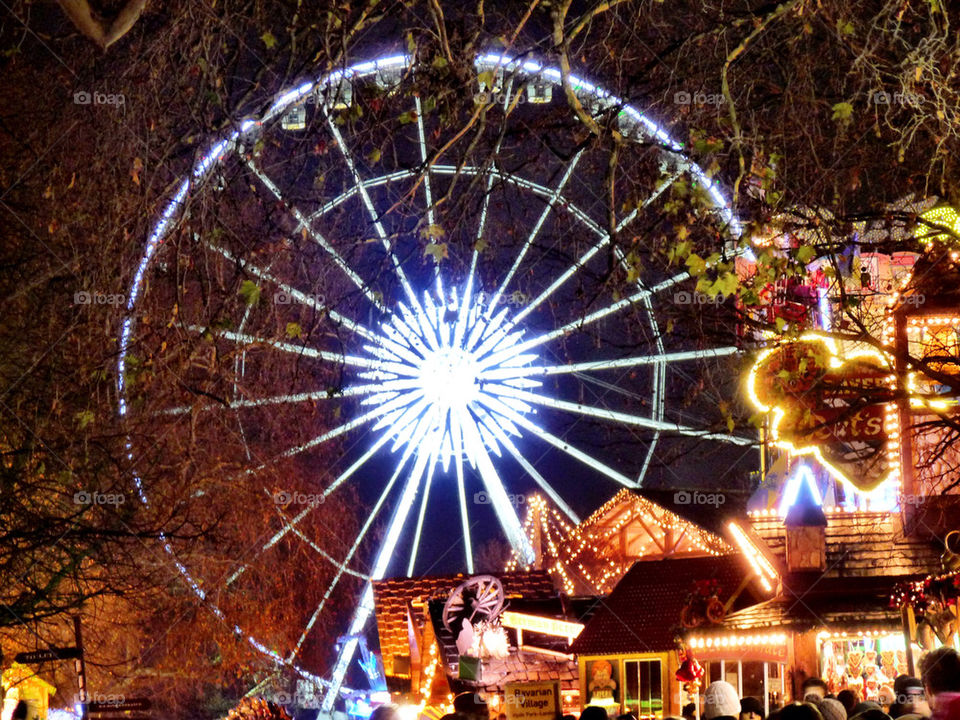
750 704
720 700
832 709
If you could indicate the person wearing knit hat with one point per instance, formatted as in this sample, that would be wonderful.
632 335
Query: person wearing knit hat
720 700
751 709
832 709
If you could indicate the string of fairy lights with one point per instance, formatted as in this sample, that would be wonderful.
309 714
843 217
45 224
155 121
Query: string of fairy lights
586 555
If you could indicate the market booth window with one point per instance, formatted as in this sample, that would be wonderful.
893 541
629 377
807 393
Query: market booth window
643 688
864 662
628 683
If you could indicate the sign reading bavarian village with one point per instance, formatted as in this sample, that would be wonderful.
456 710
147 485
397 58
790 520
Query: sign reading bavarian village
532 701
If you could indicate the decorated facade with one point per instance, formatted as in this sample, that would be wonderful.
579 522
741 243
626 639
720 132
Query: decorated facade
590 557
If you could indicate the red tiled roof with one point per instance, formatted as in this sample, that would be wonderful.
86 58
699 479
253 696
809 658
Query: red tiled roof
392 597
642 614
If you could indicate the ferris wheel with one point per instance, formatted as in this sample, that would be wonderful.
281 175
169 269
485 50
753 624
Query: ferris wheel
427 297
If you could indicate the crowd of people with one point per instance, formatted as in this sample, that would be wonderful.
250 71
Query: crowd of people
936 695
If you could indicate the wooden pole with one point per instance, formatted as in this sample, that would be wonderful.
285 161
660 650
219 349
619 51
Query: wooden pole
909 621
81 667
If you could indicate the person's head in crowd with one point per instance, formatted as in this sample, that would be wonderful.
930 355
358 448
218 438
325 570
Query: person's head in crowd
874 713
593 712
813 686
908 698
940 672
471 705
502 716
800 711
385 712
849 698
626 716
886 697
862 707
751 709
832 709
689 711
720 700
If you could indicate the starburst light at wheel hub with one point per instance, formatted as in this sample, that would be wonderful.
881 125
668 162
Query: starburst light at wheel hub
450 373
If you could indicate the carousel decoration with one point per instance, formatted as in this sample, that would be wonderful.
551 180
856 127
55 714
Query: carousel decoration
703 605
690 672
473 612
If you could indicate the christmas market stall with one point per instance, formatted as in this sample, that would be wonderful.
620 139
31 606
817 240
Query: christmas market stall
831 616
628 653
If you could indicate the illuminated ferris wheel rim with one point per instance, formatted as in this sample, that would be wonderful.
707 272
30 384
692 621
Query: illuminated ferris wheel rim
634 124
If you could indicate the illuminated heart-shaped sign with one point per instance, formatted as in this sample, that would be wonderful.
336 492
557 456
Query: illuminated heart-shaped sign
837 406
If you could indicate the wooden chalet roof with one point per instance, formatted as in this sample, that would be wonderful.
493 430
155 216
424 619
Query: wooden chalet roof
400 604
591 558
862 545
836 603
642 614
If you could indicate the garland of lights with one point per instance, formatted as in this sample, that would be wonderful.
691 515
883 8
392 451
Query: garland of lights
580 551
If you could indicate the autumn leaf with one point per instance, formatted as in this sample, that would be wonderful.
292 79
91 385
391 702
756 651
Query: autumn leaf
433 232
438 251
842 112
696 264
294 330
250 292
137 168
268 40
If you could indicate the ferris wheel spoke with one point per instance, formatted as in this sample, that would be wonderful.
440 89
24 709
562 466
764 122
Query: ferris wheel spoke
304 224
292 399
551 203
659 386
501 408
594 365
420 517
423 158
581 323
623 418
346 427
457 442
384 556
300 350
291 524
504 509
371 210
365 528
582 261
295 294
504 439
